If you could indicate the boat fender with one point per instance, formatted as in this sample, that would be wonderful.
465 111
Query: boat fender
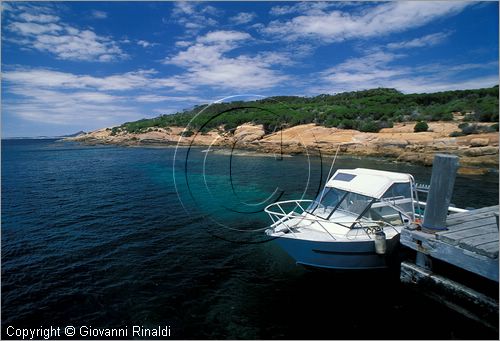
380 243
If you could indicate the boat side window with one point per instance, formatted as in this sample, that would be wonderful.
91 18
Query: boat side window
381 211
399 194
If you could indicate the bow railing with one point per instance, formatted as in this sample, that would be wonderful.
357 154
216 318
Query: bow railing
283 212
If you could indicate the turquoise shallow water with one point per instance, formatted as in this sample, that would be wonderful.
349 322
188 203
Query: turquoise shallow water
104 237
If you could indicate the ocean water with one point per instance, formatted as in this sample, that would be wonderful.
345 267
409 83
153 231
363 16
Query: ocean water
108 237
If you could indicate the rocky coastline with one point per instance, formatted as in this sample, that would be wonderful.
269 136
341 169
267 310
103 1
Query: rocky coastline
478 153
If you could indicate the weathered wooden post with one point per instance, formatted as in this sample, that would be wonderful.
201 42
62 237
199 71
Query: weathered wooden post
444 171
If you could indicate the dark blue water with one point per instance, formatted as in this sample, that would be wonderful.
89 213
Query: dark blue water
104 237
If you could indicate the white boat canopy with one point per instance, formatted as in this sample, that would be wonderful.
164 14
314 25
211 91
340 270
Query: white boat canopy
369 182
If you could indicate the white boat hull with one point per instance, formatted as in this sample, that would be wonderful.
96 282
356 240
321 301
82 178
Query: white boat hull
342 255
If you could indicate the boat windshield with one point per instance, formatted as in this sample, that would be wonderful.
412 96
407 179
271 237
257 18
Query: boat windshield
333 199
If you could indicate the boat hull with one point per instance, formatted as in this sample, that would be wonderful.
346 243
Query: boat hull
342 255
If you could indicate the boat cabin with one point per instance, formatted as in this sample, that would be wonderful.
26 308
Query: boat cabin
352 196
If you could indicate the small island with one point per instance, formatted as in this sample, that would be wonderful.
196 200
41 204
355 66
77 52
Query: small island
379 122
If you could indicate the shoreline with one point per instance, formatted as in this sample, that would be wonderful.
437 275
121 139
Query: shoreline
478 153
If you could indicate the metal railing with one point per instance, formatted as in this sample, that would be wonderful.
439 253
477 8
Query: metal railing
282 217
423 188
450 208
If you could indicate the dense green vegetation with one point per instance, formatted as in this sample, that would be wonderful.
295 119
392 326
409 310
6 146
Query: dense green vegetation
468 129
368 110
420 127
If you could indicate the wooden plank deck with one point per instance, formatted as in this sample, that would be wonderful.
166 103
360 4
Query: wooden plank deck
476 231
471 241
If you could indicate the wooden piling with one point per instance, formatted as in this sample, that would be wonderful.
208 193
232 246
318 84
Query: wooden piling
444 171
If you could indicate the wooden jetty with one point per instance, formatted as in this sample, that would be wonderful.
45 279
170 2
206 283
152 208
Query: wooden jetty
467 241
470 242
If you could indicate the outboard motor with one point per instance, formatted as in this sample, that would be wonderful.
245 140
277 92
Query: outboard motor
380 243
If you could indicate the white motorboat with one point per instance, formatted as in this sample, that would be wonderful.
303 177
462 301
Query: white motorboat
354 223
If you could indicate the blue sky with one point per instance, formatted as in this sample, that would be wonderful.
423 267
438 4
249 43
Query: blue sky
81 66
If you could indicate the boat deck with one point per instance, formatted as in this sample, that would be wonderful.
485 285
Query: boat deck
471 241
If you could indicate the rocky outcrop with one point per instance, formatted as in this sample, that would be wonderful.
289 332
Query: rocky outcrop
248 132
479 142
479 151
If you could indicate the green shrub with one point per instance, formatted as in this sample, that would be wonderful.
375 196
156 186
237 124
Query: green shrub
369 127
475 129
469 118
470 129
420 127
456 134
331 122
230 126
186 133
347 124
463 125
385 124
447 116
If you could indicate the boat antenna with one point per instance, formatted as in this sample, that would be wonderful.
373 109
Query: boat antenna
281 142
329 172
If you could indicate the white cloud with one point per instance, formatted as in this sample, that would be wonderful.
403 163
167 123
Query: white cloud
305 7
334 25
183 7
67 108
96 97
79 45
146 44
194 16
368 71
50 79
243 18
183 43
65 98
277 58
380 69
207 64
223 37
424 84
161 98
47 33
152 98
32 29
207 9
39 18
428 40
99 14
